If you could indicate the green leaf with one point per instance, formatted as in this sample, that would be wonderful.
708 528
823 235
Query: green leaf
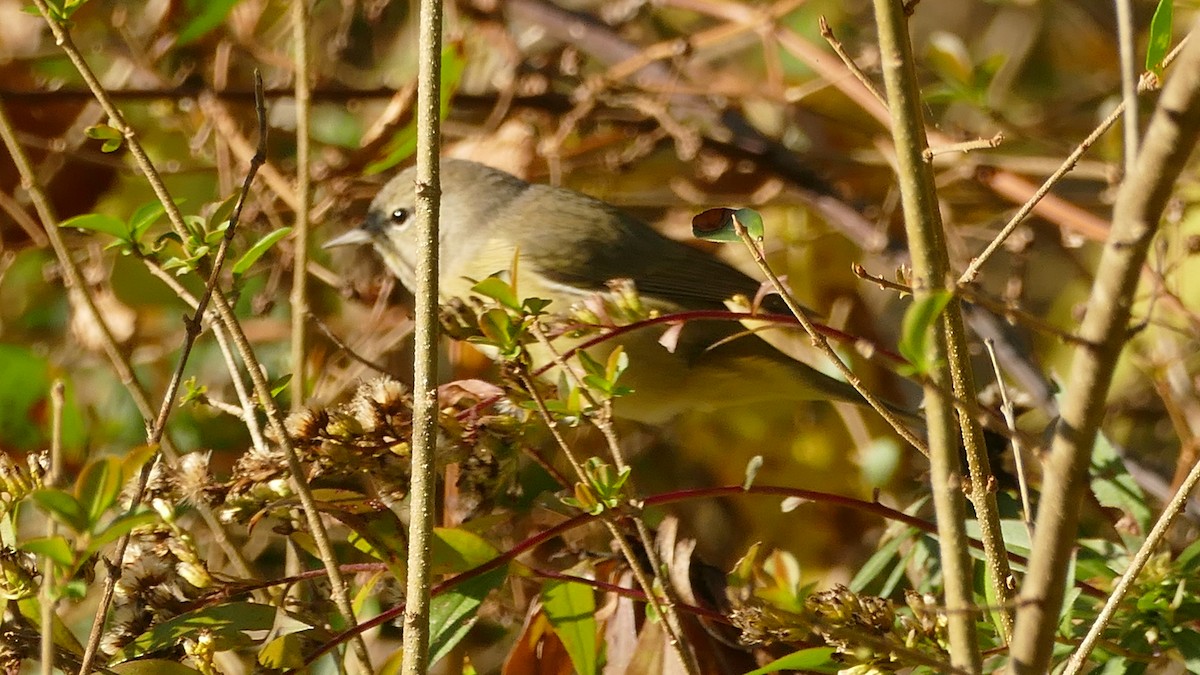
498 329
458 550
208 14
258 249
499 290
279 384
63 507
98 222
123 525
916 330
226 625
222 213
819 659
571 610
56 548
451 614
111 137
141 220
590 366
98 486
1160 37
720 224
152 667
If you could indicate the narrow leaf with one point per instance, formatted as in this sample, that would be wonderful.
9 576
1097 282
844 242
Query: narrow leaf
258 249
1160 37
98 222
915 331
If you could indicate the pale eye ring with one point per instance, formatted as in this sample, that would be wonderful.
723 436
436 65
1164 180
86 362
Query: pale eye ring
399 216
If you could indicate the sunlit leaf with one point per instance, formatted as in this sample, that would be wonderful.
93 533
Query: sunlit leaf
814 659
98 222
1160 37
143 218
915 331
55 548
458 550
499 290
571 609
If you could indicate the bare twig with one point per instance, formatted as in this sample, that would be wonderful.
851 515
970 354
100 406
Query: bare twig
425 319
299 295
946 348
48 594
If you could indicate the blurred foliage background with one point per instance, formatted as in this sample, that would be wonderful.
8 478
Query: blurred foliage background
665 108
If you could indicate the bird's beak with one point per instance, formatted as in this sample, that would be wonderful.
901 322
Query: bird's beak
354 237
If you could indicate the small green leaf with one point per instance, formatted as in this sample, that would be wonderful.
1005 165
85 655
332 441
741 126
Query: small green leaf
258 249
720 224
590 366
98 222
63 507
98 486
534 306
499 290
145 216
124 524
222 213
279 384
618 362
917 326
815 659
111 137
571 610
947 55
457 550
55 548
1160 37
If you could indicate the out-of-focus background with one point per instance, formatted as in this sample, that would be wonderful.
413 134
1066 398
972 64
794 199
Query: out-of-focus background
665 108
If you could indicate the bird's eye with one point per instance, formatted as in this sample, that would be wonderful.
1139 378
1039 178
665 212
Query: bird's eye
399 216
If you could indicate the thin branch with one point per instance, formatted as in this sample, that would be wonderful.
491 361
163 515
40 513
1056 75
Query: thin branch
946 348
48 595
299 295
425 318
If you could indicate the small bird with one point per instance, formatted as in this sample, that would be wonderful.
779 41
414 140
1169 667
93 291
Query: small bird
569 246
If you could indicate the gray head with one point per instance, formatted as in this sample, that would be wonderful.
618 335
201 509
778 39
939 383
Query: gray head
471 195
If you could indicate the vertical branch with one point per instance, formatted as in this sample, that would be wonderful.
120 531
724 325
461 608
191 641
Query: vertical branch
299 296
930 267
1143 195
421 493
1129 71
49 593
